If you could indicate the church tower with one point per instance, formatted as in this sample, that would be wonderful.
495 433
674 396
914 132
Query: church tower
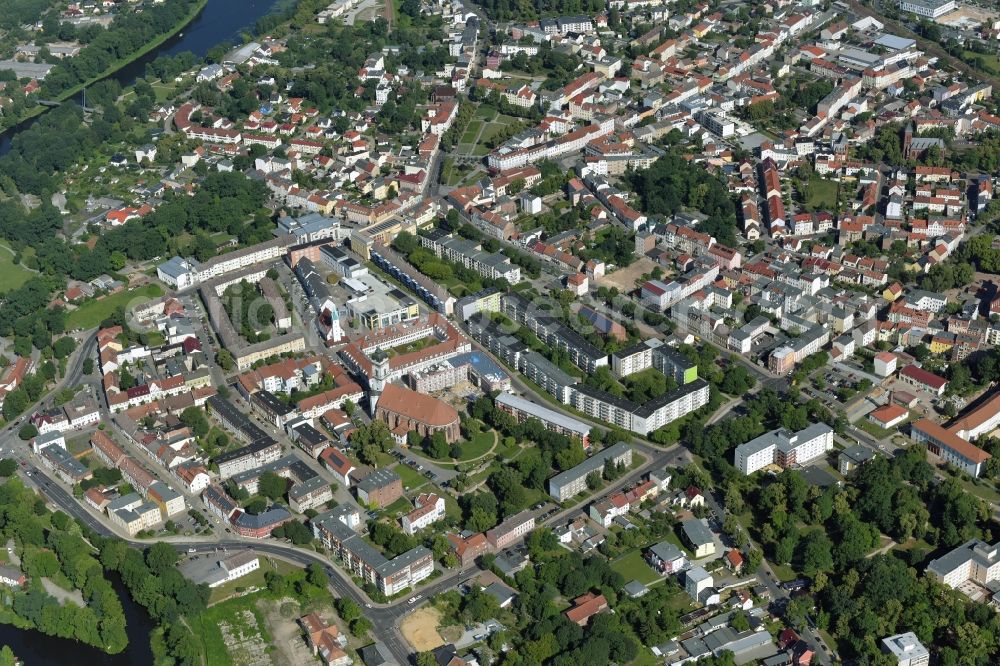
379 378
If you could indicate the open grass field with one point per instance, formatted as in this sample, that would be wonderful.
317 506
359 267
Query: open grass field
92 313
12 275
991 60
411 478
398 508
632 566
472 131
822 194
477 447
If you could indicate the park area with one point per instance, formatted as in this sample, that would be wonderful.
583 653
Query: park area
821 194
12 275
486 125
93 312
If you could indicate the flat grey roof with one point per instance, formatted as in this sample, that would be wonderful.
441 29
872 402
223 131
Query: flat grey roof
697 531
592 464
543 413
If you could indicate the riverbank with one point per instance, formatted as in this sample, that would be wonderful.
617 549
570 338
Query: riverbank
151 45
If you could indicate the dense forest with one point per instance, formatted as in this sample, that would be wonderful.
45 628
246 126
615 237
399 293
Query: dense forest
14 13
829 534
129 32
50 545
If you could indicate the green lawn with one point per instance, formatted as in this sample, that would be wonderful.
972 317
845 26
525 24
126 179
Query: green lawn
471 450
822 194
451 508
471 131
252 579
991 60
480 444
784 572
411 477
414 346
12 275
632 566
398 508
486 112
494 128
676 540
92 313
878 431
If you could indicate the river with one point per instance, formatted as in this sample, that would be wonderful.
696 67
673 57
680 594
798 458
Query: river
219 21
37 649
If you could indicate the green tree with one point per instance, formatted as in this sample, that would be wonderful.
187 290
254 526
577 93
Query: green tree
224 358
194 418
272 486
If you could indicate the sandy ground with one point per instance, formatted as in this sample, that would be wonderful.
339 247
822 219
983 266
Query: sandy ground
624 278
419 628
72 596
966 15
285 633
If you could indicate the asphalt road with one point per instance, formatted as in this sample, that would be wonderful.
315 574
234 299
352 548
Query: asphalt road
384 617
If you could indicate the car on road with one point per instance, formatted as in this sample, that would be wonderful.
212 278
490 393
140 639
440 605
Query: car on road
412 600
479 637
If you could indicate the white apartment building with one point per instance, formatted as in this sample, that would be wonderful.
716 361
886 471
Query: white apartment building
907 649
975 560
784 448
429 509
234 567
629 361
931 9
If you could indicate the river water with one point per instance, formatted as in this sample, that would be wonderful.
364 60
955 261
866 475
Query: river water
220 21
37 649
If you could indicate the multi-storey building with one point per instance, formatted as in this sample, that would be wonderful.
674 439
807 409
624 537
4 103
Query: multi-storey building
428 509
362 559
631 360
567 484
949 447
510 530
524 409
784 448
493 265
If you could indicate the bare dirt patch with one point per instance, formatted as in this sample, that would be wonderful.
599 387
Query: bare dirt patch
419 628
624 278
285 634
